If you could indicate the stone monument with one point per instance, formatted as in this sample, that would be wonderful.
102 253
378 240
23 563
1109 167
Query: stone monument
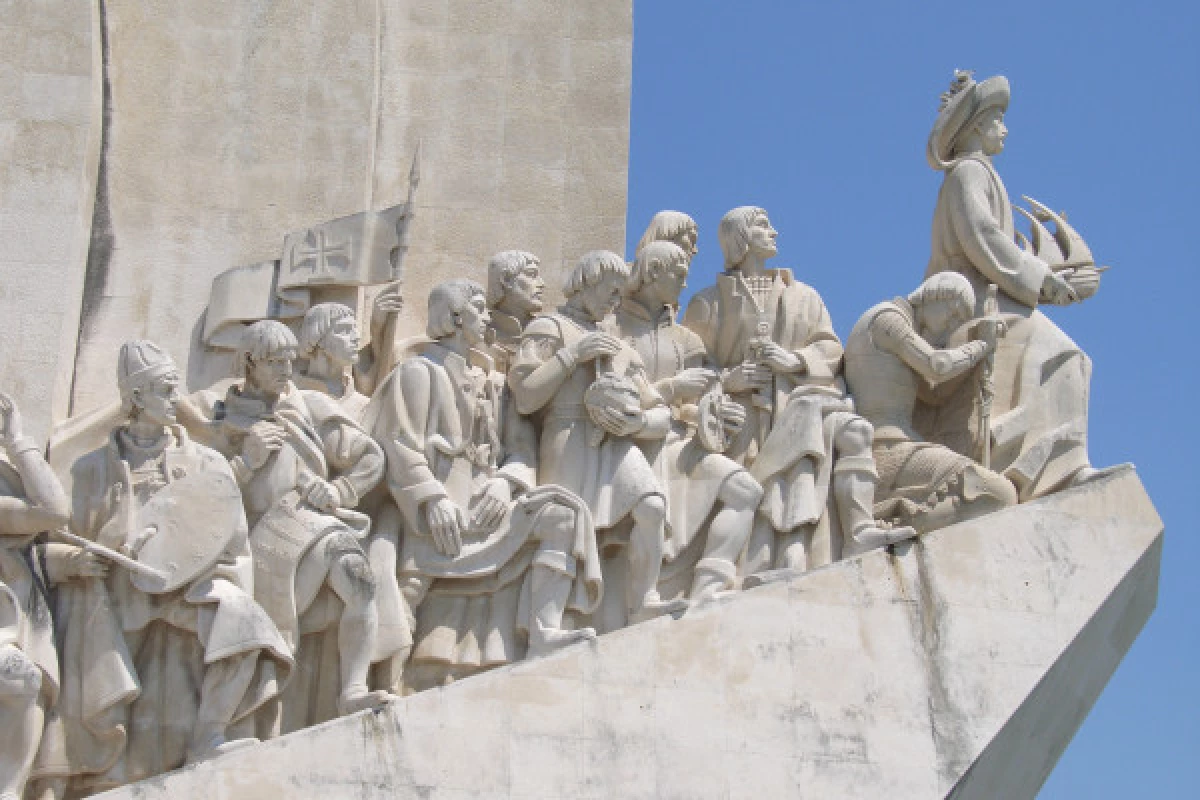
512 547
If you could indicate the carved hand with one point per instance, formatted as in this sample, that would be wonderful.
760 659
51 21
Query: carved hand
1057 290
82 564
621 424
135 543
746 378
261 440
733 417
692 383
10 420
446 523
780 360
324 496
594 345
493 504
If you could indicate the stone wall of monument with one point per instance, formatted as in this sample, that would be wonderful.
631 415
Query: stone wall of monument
47 172
230 124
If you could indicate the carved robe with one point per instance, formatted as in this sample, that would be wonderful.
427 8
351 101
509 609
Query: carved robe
133 662
787 441
448 427
1039 414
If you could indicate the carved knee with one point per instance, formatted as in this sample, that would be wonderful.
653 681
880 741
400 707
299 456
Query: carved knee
20 678
556 527
855 438
741 492
356 577
651 510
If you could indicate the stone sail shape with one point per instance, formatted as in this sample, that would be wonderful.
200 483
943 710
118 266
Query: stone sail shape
959 666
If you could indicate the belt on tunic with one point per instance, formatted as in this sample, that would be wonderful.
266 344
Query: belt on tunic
569 411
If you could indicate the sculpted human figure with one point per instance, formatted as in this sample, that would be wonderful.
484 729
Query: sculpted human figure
477 528
565 360
329 345
675 227
896 349
514 297
158 673
303 465
31 501
698 478
774 342
1039 416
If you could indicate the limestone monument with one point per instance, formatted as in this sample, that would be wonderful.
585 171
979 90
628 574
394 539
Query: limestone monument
505 547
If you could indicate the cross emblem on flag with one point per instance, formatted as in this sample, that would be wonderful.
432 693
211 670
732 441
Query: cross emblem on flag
321 257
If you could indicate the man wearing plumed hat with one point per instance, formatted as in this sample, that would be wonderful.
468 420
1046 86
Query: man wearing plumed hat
1039 416
156 674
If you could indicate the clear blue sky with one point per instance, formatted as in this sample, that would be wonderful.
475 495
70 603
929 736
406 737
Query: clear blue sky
819 113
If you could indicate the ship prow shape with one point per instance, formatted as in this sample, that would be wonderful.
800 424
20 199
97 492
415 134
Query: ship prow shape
958 666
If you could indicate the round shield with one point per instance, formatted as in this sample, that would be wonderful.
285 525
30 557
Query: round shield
190 523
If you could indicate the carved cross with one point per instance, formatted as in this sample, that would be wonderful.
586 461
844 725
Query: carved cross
323 257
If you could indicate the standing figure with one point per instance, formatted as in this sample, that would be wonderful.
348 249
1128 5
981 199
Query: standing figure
329 345
514 297
896 350
567 359
780 358
31 501
303 465
190 660
1039 424
696 474
485 551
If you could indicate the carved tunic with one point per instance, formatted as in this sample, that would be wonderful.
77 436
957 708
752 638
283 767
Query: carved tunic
1039 418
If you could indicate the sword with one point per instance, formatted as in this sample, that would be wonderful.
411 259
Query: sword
990 329
112 555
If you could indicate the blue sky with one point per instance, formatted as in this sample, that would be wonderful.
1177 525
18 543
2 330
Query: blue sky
819 112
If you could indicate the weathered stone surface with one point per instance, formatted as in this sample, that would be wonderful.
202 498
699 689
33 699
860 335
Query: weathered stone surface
933 670
231 124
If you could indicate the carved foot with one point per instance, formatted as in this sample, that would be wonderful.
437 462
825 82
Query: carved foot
548 641
216 745
870 537
653 606
359 699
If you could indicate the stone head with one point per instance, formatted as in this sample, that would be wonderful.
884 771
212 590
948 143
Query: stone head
941 304
744 231
458 306
672 226
332 329
515 284
264 356
148 381
660 270
596 283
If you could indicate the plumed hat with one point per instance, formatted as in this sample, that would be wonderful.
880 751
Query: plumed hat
139 361
961 103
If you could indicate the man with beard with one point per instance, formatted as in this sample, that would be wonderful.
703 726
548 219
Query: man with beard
514 297
895 351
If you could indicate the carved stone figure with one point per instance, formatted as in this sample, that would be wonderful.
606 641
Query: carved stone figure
31 501
158 673
303 465
1039 422
780 358
591 451
329 344
696 478
479 533
672 226
896 349
514 297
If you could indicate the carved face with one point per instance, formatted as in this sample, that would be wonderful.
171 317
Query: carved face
602 299
341 343
670 283
938 319
474 320
270 375
992 131
156 403
762 237
524 295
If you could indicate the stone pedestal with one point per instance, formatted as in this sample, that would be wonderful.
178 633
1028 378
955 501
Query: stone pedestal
959 666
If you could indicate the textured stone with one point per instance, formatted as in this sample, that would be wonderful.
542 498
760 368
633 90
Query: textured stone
890 675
